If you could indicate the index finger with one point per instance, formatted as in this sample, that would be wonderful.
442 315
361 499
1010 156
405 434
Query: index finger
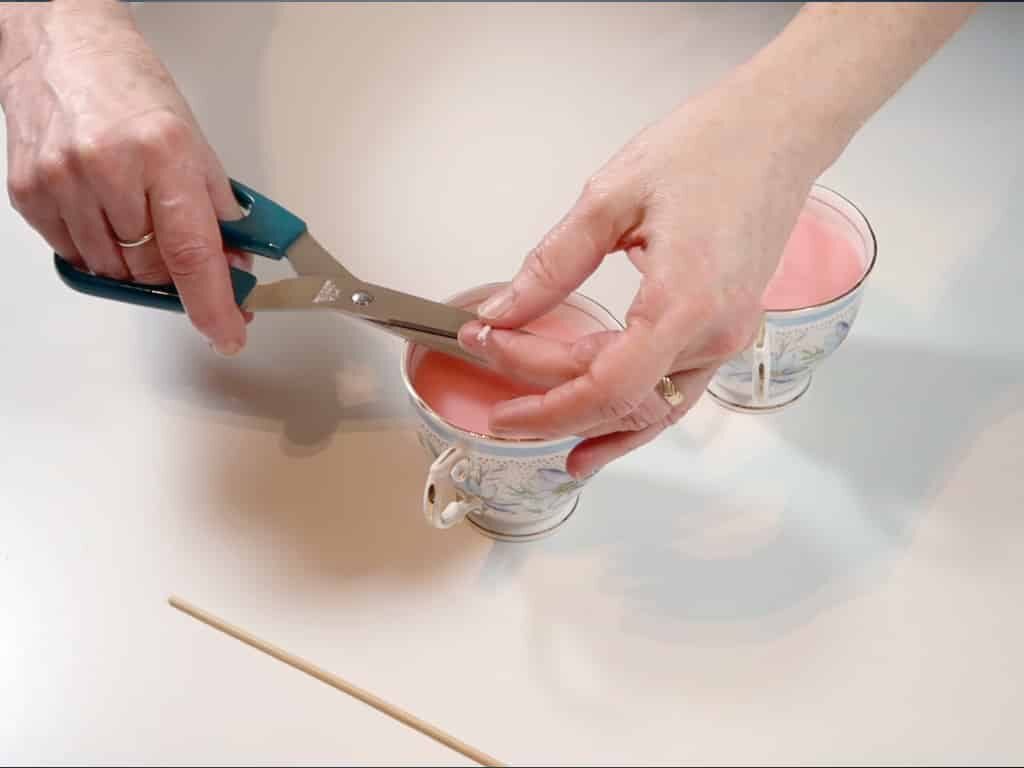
536 360
620 377
567 256
190 243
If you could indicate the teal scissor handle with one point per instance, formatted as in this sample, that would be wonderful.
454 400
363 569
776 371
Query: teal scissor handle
266 229
127 292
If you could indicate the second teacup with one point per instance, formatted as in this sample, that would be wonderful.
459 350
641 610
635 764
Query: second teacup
776 370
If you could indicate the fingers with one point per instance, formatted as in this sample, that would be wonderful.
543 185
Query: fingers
617 381
536 360
38 208
593 454
670 327
56 192
48 223
225 205
122 194
566 256
189 239
89 229
545 363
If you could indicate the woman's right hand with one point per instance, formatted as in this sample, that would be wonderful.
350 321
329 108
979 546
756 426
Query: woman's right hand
101 147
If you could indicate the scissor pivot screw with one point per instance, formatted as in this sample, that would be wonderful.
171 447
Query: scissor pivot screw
362 298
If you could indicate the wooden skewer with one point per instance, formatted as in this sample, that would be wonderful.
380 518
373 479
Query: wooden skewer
336 682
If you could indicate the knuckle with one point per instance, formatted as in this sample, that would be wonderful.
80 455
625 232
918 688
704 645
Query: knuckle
188 257
654 298
52 169
22 189
634 422
594 198
91 153
617 408
162 134
543 267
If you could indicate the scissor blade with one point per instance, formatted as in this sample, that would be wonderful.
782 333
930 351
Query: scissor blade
369 302
312 260
382 305
403 310
308 257
293 293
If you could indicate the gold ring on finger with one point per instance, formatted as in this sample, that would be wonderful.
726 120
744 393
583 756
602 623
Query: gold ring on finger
136 243
670 392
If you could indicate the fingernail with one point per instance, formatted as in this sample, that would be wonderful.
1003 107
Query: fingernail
507 417
497 428
227 348
498 304
581 476
469 335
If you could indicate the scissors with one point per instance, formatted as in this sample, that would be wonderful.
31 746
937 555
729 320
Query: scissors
269 230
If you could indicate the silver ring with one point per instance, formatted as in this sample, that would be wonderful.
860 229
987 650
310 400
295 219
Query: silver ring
668 390
136 243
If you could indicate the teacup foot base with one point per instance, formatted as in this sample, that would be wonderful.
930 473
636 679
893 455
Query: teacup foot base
748 406
526 535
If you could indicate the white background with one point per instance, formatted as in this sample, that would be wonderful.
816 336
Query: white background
838 583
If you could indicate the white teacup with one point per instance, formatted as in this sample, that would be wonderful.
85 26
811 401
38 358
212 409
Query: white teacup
509 489
776 370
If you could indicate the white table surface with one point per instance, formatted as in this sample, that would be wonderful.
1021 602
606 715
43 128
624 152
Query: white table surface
838 583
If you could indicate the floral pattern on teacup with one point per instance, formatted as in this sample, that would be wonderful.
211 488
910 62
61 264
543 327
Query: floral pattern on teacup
533 485
797 347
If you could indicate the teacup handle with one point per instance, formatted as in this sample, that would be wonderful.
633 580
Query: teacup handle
444 505
761 364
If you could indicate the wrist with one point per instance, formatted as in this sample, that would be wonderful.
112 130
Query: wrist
809 119
21 31
836 64
32 30
782 122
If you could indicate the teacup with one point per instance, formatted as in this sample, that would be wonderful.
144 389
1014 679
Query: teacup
509 489
777 368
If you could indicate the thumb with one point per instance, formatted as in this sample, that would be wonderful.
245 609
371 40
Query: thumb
568 255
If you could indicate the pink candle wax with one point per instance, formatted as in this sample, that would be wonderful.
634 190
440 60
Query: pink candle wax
818 264
463 394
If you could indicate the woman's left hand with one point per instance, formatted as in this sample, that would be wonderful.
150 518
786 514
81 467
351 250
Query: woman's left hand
703 203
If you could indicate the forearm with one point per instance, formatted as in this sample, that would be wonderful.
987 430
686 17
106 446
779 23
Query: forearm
836 64
22 25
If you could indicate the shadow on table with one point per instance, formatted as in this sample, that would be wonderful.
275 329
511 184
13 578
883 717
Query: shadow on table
768 546
353 514
347 509
306 375
337 498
